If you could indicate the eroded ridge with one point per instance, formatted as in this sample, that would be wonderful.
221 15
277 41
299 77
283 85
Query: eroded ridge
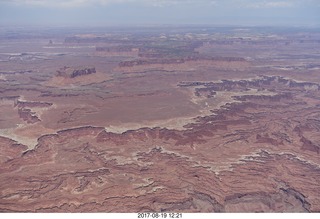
255 153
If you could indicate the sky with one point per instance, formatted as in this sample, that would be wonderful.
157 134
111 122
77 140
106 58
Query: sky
160 12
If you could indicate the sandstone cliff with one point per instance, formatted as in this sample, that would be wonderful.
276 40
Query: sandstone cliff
75 72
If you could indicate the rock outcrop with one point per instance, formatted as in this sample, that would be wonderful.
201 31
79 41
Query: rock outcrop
247 156
177 61
75 72
174 120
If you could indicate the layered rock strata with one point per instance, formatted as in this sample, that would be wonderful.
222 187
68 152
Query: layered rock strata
259 153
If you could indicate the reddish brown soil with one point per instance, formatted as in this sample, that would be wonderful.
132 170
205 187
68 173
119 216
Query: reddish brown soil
204 135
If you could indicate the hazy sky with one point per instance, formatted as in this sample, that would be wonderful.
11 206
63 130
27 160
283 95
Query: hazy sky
132 12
